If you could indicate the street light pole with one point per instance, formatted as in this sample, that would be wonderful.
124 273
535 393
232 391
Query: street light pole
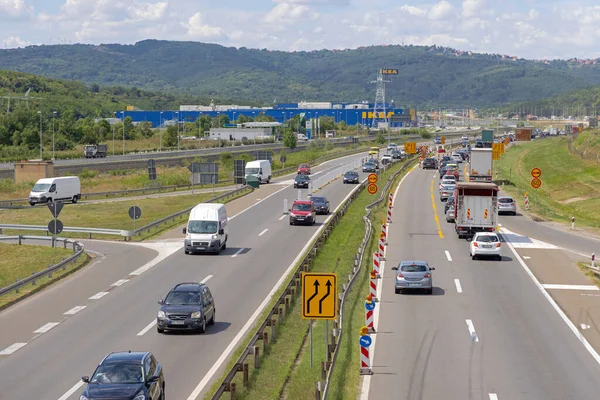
53 133
41 146
160 132
114 123
123 133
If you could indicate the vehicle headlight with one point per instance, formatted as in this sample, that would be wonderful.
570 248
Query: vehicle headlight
140 396
196 314
188 236
292 215
215 237
162 315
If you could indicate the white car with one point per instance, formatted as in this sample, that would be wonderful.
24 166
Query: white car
447 182
387 158
457 158
486 244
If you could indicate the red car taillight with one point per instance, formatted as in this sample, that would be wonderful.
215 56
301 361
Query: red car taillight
400 275
475 244
498 245
427 276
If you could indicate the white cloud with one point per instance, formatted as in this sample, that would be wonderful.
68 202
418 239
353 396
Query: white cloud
441 10
12 42
10 9
472 8
289 11
199 30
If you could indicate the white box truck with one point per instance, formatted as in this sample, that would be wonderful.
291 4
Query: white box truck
206 230
480 165
260 169
47 190
475 208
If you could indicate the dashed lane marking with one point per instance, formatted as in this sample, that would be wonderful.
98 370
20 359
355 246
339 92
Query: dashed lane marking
11 349
98 296
45 328
74 310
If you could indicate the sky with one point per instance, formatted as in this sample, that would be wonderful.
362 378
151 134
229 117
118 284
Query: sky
532 29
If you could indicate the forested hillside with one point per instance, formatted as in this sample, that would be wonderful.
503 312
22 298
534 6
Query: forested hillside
427 75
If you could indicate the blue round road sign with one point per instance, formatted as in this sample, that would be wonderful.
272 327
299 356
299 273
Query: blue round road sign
365 341
370 306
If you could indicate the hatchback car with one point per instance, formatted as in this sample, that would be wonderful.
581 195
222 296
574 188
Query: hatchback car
304 169
303 212
446 181
126 375
413 275
449 203
351 177
450 215
188 306
369 167
301 181
456 157
486 244
449 177
430 163
507 205
321 204
396 154
386 159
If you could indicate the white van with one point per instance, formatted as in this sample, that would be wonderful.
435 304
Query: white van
52 189
206 230
260 169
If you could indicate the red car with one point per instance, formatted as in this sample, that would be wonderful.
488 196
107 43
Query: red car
303 212
304 169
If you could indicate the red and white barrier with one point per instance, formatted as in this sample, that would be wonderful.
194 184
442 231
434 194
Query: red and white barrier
391 197
389 213
376 264
365 361
373 287
381 248
526 201
369 320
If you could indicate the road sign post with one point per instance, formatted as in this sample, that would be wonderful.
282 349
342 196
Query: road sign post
55 209
372 188
319 295
536 183
373 178
134 213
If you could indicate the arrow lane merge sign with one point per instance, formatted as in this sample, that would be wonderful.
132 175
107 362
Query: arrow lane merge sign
326 299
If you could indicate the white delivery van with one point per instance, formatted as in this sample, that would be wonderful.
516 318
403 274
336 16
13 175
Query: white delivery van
206 230
260 169
55 189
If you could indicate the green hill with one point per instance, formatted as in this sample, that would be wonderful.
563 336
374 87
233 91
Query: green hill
427 75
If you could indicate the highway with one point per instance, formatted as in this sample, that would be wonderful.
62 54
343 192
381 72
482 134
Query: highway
489 331
119 296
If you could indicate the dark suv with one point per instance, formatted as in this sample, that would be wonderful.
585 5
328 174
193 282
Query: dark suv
188 306
430 163
301 181
126 375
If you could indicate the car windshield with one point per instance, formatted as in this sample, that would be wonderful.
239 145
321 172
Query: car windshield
304 166
183 298
302 178
351 173
41 187
487 238
318 200
301 207
202 227
252 170
505 200
112 373
414 268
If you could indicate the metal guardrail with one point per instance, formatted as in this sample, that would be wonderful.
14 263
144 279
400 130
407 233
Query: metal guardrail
121 232
283 303
78 249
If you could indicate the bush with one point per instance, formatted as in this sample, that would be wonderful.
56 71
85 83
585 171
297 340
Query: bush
87 174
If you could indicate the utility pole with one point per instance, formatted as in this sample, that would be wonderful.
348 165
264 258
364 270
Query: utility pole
123 133
53 134
41 145
113 124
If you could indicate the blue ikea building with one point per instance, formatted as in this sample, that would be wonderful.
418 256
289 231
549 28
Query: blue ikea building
349 113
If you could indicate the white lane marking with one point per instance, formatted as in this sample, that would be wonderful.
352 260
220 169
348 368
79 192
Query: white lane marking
571 287
526 258
493 396
237 252
556 307
120 282
257 203
147 328
448 255
71 391
46 328
74 310
366 385
250 323
472 332
98 296
162 254
257 199
206 279
458 287
282 217
11 349
584 326
263 232
500 225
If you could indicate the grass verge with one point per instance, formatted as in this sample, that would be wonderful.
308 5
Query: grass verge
590 273
21 261
285 369
570 184
110 215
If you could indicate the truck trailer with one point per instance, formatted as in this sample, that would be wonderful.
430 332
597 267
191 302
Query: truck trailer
476 208
480 165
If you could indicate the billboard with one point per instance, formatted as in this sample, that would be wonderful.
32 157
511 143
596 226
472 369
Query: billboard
388 71
523 135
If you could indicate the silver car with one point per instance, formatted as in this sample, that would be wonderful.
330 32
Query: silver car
507 205
413 275
446 191
450 214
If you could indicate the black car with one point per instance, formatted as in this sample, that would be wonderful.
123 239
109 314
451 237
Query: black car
126 375
301 181
321 204
188 306
369 167
430 163
396 155
351 177
443 171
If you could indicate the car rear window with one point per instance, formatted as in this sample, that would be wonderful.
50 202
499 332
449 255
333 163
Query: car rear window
505 201
488 239
413 268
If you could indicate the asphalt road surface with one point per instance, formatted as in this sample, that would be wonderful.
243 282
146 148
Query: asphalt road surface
112 306
487 332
